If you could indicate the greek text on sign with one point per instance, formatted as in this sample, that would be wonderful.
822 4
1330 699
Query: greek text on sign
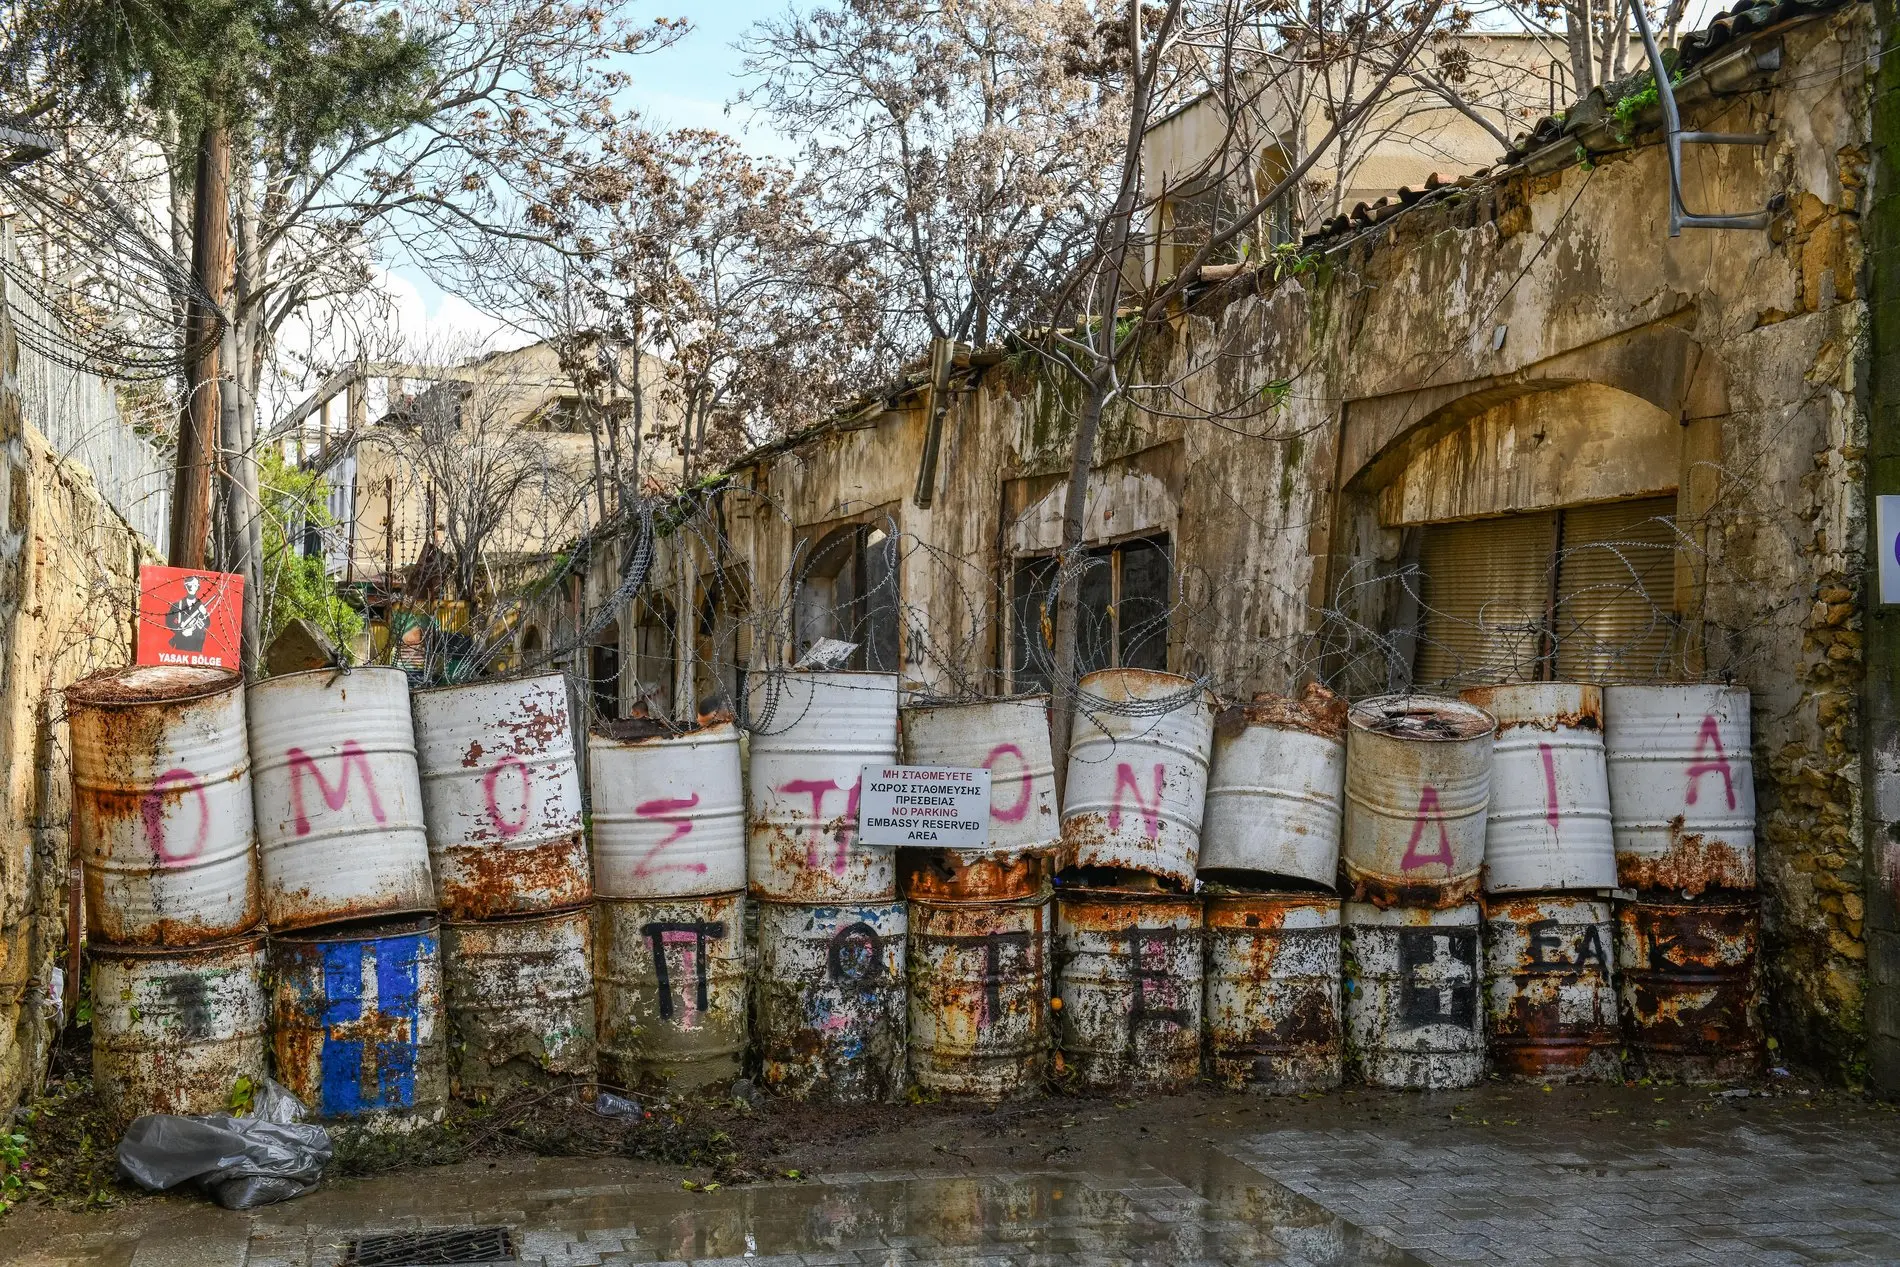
944 807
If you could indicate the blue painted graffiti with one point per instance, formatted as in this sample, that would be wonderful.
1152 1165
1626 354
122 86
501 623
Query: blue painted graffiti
371 1013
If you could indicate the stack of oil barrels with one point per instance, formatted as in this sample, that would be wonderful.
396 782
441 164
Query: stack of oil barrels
1549 867
162 823
1129 928
1682 798
1269 859
502 799
356 962
980 920
670 916
829 993
1418 780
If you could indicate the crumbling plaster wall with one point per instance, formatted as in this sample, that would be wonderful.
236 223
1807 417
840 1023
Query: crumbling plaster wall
1295 399
68 581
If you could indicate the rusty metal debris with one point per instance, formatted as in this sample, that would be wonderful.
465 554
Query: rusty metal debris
1551 998
1272 1002
1686 976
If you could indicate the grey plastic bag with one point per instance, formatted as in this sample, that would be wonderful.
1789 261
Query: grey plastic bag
240 1162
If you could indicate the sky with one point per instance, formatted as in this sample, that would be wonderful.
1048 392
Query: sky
686 85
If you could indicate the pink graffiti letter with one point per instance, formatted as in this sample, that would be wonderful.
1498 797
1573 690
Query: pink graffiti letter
1014 814
816 789
667 810
1710 737
1550 785
502 825
1427 812
688 942
336 797
152 811
1150 814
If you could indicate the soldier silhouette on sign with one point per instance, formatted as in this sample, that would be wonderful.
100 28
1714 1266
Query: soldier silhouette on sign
188 618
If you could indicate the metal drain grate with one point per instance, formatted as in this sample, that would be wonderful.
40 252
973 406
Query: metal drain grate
450 1247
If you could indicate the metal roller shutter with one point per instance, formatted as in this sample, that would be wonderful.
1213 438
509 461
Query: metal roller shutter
1616 592
1485 595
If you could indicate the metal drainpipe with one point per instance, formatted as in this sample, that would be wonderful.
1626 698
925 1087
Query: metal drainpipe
1675 137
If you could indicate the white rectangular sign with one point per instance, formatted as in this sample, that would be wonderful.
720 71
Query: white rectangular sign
932 806
1887 529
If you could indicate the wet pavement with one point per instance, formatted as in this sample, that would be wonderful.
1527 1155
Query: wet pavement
1599 1176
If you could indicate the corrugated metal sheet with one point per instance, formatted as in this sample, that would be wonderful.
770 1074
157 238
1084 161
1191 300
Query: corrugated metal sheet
1616 583
1485 589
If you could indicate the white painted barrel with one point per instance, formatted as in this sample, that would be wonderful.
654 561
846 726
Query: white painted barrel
670 976
502 798
1550 993
669 814
338 798
830 1004
174 1030
162 805
1414 1012
1274 794
356 1022
1548 825
1137 780
520 1001
1129 975
979 997
1418 781
1682 786
813 733
1273 992
1010 739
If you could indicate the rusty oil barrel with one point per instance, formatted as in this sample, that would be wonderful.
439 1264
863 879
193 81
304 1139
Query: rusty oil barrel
1418 782
162 816
174 1030
813 733
340 832
520 1000
1272 1002
979 997
1550 990
501 795
1274 790
670 976
356 1022
1010 739
1129 976
1547 828
830 1004
1682 786
1686 979
669 811
1414 1012
1137 784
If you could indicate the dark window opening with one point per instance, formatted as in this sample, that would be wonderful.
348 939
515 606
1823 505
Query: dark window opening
848 592
603 674
1123 600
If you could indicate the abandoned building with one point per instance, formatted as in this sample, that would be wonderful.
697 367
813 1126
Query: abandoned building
1502 427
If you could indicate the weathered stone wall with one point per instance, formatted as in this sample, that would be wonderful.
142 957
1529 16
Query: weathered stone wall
68 583
1533 340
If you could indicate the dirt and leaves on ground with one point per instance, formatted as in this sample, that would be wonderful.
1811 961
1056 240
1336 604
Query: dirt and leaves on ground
62 1149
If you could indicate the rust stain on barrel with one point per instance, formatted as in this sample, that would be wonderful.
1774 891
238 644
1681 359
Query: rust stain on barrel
1553 1010
946 875
1272 1007
1687 977
534 879
1694 865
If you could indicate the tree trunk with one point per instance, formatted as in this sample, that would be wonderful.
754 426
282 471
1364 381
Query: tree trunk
198 429
1068 592
1578 17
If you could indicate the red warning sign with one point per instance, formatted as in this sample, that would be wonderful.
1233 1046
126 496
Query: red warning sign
190 616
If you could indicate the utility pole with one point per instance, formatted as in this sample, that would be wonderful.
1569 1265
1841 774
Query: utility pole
199 427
